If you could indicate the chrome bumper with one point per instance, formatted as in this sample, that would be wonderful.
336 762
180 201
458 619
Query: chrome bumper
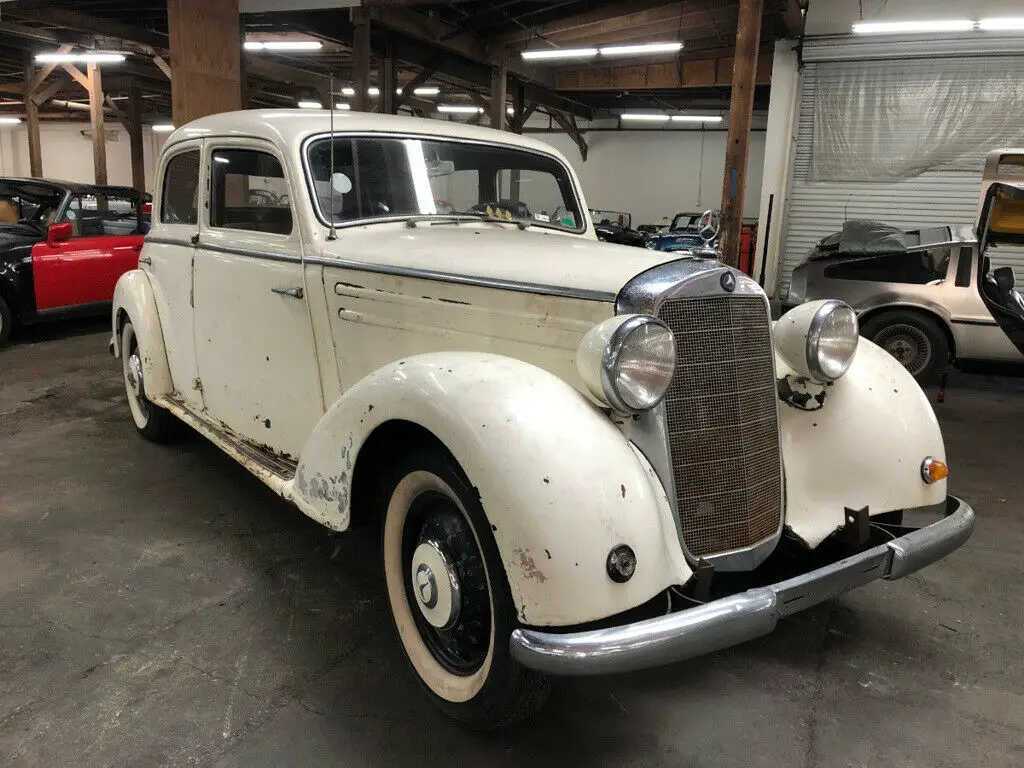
736 619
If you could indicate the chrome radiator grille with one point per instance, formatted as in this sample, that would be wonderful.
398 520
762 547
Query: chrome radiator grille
722 422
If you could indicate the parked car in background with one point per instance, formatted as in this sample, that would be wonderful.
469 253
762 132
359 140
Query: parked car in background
62 248
927 297
613 233
565 444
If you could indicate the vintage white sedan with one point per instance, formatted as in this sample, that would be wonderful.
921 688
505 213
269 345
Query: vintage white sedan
575 451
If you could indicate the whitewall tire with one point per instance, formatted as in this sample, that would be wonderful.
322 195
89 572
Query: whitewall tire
449 596
152 422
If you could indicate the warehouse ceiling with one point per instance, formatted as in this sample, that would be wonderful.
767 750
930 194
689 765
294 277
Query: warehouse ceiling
450 45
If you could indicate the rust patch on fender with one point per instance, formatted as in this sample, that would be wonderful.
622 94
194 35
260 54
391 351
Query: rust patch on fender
529 567
801 393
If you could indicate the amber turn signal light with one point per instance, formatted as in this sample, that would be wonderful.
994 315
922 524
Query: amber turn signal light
933 470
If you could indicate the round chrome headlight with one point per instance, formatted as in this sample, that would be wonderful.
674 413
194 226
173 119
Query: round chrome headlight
831 340
628 362
818 339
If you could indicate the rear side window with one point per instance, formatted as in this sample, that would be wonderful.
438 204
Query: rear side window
249 192
915 267
963 267
179 203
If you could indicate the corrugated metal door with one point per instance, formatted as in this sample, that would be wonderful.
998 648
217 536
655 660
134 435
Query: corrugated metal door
948 195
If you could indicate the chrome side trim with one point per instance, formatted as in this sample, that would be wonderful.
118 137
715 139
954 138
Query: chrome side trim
250 252
460 279
168 241
732 620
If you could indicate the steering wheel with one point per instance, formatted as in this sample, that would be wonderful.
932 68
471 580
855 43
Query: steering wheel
262 198
708 225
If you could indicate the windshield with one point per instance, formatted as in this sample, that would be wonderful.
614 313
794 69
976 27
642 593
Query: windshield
396 177
28 203
684 221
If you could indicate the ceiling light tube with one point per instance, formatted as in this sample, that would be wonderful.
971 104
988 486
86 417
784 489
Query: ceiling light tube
429 90
92 57
640 49
644 117
348 91
373 91
912 27
9 120
460 109
162 128
343 106
509 111
310 104
1005 23
283 45
696 118
559 53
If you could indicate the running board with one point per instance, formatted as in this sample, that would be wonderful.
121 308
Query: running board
272 467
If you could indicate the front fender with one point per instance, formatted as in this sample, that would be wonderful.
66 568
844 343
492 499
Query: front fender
559 483
133 295
856 443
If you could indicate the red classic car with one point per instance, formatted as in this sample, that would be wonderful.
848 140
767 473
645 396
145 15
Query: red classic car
63 246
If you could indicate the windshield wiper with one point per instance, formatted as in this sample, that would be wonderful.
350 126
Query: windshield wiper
461 218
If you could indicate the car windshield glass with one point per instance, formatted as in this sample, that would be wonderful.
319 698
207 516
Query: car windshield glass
28 203
104 213
396 177
684 221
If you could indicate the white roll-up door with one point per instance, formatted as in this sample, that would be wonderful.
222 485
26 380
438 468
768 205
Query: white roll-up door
945 195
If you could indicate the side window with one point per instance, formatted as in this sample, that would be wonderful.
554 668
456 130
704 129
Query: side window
915 267
179 203
963 267
249 192
384 179
103 215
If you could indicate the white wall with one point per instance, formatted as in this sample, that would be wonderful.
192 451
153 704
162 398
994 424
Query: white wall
67 154
654 174
835 17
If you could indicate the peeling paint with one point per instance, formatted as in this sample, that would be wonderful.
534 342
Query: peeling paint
623 487
529 567
801 393
454 301
266 423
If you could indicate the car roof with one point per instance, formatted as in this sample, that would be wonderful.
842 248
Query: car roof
75 187
290 126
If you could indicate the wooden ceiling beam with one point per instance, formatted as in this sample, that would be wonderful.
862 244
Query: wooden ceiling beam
83 22
694 73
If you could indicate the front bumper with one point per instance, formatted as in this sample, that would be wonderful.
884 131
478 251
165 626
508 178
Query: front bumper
741 617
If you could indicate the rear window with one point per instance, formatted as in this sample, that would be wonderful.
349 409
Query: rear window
915 267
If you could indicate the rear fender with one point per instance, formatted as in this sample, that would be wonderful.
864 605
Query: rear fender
559 483
134 299
858 442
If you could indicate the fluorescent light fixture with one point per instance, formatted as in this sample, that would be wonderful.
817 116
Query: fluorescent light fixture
9 120
509 111
644 117
373 91
1005 23
219 159
428 90
310 104
90 57
398 91
283 45
343 106
162 128
460 109
912 27
346 91
696 118
641 49
559 53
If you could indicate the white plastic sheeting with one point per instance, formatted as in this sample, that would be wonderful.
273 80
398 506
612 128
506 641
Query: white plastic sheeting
894 120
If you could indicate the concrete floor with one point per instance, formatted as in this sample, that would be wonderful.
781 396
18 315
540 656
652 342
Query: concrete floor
158 605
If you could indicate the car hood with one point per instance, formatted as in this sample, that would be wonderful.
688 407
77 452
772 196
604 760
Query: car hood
501 254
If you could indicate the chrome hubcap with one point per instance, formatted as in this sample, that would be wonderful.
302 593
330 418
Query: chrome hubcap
134 375
436 585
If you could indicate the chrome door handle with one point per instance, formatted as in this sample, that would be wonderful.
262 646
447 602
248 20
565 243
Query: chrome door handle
295 293
145 260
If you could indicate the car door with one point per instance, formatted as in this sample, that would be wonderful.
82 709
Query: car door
167 258
253 335
106 237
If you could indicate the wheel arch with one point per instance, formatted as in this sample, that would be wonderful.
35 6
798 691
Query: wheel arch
134 300
559 482
930 312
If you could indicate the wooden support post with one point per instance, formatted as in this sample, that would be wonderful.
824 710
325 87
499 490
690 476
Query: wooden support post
389 79
134 128
99 139
741 105
518 105
361 59
499 83
35 153
206 58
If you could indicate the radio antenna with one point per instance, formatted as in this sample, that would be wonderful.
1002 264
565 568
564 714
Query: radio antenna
331 234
